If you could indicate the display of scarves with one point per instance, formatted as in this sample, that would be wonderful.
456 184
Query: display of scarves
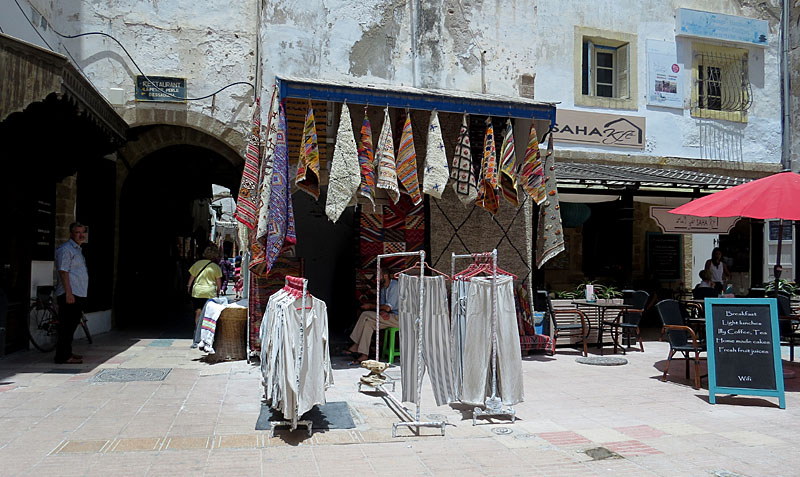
508 169
384 157
407 162
247 203
345 170
308 163
434 180
366 160
281 212
550 240
268 156
462 173
531 172
488 197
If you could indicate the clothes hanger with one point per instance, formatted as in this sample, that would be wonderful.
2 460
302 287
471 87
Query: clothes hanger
425 264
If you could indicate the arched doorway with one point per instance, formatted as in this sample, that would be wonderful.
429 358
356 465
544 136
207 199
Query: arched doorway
164 225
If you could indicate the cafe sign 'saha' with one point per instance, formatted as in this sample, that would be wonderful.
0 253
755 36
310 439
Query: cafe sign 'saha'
598 129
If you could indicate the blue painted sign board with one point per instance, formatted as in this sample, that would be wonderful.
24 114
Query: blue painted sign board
718 26
744 350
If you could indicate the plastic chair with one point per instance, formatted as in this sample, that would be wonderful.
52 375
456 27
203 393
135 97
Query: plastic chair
391 345
681 338
627 320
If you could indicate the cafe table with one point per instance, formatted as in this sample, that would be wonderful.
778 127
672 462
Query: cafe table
602 305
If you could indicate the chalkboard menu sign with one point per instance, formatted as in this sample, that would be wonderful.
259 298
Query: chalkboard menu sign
744 355
664 255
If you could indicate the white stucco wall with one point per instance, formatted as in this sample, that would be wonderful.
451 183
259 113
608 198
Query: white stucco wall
372 41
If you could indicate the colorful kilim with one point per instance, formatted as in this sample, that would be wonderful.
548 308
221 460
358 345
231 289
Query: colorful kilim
247 204
308 163
508 167
488 197
345 171
550 240
262 228
384 157
366 159
407 162
262 287
394 247
281 212
394 235
462 173
434 180
531 171
371 227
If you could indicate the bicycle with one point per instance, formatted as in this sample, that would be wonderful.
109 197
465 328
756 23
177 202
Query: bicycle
43 321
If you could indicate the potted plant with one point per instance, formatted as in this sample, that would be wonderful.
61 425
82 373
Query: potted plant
786 286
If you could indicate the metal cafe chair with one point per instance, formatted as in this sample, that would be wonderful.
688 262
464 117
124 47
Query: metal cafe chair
681 338
627 320
789 324
566 322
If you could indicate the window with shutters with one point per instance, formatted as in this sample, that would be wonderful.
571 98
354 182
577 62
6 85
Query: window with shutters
607 71
721 82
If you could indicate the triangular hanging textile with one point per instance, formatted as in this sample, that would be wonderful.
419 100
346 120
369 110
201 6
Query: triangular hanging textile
308 163
508 169
488 197
247 202
266 167
384 157
407 162
345 171
434 179
531 172
281 213
366 160
461 172
550 241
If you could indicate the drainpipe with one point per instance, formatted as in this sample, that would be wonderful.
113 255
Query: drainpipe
786 158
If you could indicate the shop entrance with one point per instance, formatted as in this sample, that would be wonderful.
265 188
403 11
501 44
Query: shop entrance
163 228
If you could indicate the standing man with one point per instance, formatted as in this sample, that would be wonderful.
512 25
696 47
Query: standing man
364 330
71 289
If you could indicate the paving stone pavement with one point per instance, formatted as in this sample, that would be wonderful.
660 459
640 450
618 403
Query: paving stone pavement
200 420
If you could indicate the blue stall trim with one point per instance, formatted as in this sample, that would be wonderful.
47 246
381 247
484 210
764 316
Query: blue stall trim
290 88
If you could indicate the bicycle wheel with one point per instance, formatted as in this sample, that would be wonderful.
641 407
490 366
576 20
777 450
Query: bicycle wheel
42 328
86 328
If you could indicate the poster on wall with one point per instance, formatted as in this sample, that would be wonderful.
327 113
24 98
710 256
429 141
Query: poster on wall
664 75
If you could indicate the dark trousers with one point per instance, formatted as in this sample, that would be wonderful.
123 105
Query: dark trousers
69 316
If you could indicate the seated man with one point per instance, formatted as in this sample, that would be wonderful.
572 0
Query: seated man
365 327
705 280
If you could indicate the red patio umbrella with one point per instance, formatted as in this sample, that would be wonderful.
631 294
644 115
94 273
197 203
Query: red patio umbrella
773 197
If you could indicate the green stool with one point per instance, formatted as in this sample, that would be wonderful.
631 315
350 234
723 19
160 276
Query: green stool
391 345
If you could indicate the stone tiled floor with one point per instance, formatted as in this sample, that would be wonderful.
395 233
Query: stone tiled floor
200 421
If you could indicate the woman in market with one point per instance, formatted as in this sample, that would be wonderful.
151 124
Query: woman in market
717 269
205 280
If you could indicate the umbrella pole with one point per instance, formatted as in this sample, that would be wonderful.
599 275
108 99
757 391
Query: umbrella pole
778 269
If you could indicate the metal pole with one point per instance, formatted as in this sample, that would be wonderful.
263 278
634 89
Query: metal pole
778 269
378 313
786 157
494 324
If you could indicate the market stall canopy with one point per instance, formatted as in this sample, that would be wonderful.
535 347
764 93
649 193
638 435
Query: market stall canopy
618 177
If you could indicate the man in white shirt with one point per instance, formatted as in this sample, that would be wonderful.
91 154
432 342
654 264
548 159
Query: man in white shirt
365 327
71 289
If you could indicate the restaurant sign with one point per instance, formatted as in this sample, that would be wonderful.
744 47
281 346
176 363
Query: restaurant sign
160 88
599 129
689 224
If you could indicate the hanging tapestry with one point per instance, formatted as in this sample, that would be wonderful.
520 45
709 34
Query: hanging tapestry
550 241
434 180
488 197
462 173
508 167
345 171
407 162
308 163
387 172
531 171
247 203
366 160
266 165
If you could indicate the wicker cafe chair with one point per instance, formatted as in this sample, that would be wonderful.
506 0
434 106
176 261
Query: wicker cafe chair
789 324
681 338
567 322
627 320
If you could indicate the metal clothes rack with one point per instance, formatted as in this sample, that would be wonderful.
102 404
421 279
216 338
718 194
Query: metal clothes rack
299 362
412 420
494 405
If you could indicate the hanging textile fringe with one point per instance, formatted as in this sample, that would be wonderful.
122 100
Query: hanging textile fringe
488 197
247 203
462 173
387 172
266 165
308 164
436 174
550 240
407 162
345 172
508 169
531 171
366 160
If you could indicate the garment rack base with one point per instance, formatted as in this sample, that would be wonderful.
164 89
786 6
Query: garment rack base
494 408
274 424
